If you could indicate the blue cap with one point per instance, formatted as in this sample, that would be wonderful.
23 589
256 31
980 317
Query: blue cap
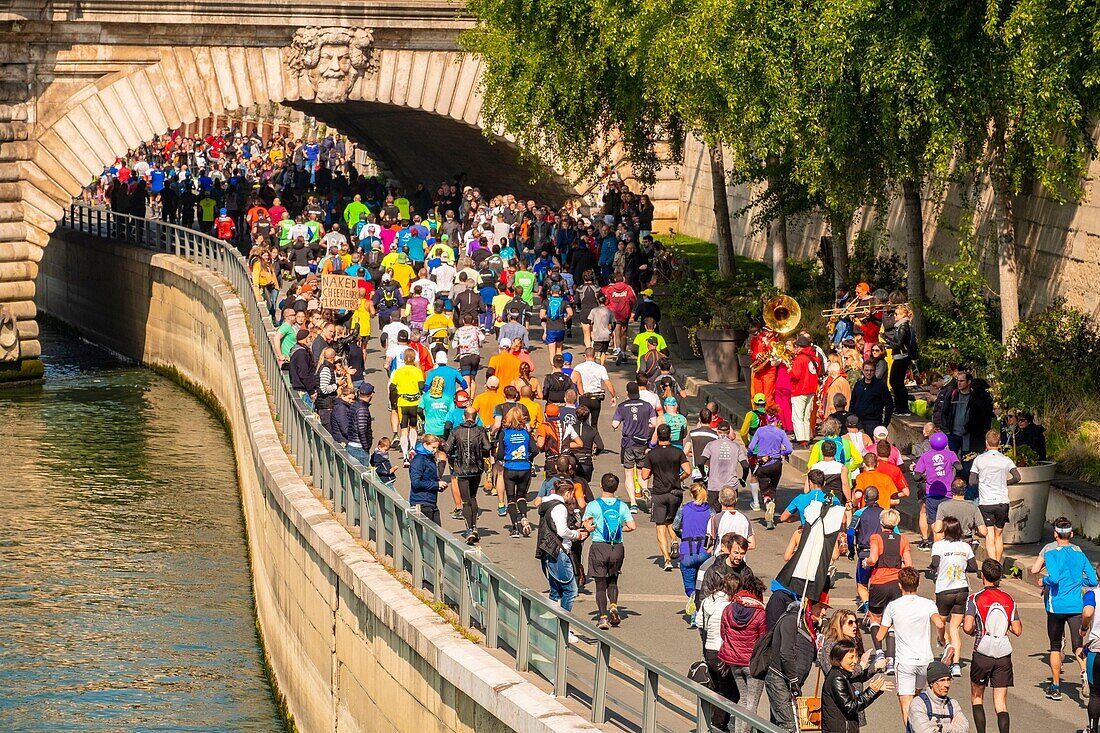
223 212
567 357
366 388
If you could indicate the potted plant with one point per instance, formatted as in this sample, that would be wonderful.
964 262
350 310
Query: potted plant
1027 500
688 307
736 302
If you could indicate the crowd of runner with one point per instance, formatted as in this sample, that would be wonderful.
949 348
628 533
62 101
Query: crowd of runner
496 320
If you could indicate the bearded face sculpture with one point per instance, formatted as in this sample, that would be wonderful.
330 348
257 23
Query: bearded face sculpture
331 60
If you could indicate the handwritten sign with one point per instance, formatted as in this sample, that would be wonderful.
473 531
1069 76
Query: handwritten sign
339 292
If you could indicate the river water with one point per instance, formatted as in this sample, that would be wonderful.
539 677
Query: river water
125 602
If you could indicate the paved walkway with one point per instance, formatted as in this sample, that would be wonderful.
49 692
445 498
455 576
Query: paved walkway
652 600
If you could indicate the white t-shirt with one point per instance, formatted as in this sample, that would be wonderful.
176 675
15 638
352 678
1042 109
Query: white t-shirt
652 398
393 330
427 289
993 468
953 559
444 276
592 376
910 618
733 522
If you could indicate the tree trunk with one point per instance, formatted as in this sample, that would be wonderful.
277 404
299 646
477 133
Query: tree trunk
727 262
1004 212
777 230
839 224
914 230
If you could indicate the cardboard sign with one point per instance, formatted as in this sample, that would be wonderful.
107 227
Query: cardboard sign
339 292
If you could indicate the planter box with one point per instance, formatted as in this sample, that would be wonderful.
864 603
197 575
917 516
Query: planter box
720 355
1027 504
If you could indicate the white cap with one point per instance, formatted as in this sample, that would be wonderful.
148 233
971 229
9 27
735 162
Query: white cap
441 357
506 343
881 432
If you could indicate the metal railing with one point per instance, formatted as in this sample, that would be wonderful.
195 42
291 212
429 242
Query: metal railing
617 684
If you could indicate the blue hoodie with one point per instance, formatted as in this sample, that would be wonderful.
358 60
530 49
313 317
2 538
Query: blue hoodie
694 523
423 477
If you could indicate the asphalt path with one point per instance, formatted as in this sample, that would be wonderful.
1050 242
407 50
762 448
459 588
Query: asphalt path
652 601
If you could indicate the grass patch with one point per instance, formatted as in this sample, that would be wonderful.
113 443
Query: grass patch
703 256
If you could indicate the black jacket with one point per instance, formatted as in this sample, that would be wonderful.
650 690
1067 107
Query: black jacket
303 372
467 447
1033 437
840 704
979 413
872 402
342 420
794 650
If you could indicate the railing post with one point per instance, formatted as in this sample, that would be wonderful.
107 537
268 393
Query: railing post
649 702
492 614
379 523
440 568
417 550
398 540
599 682
523 641
465 592
703 714
561 658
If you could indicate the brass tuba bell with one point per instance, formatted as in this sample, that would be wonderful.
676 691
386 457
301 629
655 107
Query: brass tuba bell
782 314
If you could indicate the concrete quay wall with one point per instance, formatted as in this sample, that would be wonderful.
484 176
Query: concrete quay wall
349 646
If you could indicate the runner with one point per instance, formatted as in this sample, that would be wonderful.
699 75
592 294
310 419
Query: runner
593 387
888 554
1066 567
771 446
669 467
467 448
635 419
606 519
990 617
993 472
952 559
908 618
515 451
406 386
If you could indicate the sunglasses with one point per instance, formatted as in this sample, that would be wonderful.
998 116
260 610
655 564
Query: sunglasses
851 622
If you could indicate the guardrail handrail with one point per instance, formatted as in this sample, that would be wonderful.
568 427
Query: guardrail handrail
383 515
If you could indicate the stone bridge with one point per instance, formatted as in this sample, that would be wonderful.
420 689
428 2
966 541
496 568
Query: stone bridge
82 82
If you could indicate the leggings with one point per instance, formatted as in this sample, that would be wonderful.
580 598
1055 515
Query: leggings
593 406
607 592
1092 666
516 484
768 477
467 488
897 384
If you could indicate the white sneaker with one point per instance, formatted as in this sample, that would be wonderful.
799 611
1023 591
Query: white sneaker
573 638
754 507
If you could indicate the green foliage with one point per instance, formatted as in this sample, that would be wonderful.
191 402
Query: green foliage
873 262
963 329
709 300
1049 355
1022 455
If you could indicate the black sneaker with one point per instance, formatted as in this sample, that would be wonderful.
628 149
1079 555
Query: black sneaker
514 534
456 513
472 537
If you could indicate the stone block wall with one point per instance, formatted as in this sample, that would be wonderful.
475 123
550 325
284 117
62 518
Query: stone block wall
350 647
1058 255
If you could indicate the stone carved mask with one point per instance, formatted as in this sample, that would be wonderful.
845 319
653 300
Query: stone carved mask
331 60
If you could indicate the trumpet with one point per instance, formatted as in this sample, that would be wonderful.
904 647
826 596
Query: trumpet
857 309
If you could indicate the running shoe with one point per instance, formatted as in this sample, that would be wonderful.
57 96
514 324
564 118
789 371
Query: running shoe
603 625
769 524
514 534
472 538
634 509
956 670
948 655
668 566
525 527
862 607
890 666
769 513
754 507
689 608
1054 692
1084 683
613 615
456 513
573 638
502 510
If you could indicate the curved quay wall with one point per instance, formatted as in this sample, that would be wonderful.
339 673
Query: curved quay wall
350 647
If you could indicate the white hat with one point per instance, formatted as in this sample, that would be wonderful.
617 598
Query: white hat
506 343
441 357
881 432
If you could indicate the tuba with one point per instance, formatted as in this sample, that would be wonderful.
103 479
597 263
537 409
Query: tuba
782 314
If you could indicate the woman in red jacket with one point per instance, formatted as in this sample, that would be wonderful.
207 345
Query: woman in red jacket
742 626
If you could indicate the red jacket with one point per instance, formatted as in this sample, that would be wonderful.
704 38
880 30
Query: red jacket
742 626
805 371
620 300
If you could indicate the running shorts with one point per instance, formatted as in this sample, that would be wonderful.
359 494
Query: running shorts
632 455
469 364
600 347
991 671
1056 627
952 601
662 508
994 515
605 560
879 596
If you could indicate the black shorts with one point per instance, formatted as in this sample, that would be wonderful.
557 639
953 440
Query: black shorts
632 455
605 560
994 515
991 671
662 507
879 596
469 364
600 347
952 601
1056 627
408 416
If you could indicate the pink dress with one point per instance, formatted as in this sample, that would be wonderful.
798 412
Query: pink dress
783 396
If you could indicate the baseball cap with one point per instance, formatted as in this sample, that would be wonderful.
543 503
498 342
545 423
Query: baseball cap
670 402
223 212
506 343
881 432
567 357
402 257
648 291
462 398
366 388
492 383
445 238
759 399
441 357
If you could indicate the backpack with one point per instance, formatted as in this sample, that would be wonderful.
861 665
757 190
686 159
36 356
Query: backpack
928 709
612 522
374 259
761 657
337 264
555 387
555 307
388 299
